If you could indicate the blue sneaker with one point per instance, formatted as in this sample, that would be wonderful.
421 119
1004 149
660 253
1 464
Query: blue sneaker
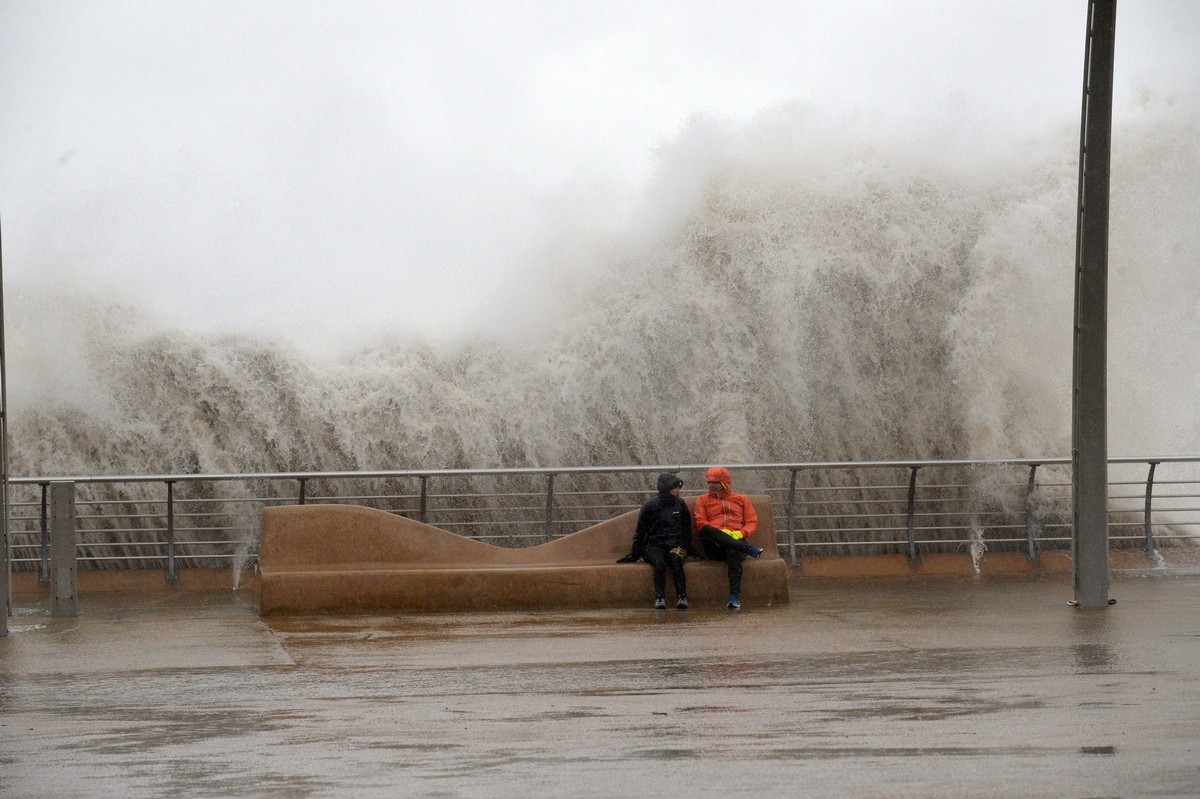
753 551
734 602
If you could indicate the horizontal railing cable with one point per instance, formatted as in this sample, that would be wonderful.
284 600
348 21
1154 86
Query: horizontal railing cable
846 507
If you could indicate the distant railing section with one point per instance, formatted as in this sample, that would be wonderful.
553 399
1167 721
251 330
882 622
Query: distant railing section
868 507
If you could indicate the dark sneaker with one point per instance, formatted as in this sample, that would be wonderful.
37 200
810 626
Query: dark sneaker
734 602
660 603
681 603
753 551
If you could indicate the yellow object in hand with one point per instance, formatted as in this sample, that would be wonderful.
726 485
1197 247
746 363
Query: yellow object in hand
736 535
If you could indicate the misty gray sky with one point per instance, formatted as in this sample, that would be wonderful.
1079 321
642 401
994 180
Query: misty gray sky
252 165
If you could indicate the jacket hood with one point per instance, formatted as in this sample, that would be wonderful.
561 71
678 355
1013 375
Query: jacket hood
667 481
719 474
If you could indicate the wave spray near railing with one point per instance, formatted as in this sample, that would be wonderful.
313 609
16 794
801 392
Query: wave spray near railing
796 290
820 509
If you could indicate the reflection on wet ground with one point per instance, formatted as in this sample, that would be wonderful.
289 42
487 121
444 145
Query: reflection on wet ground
954 687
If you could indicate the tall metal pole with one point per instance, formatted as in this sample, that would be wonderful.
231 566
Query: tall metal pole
6 557
1089 401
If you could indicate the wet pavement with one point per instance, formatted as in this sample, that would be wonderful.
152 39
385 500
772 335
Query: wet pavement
950 687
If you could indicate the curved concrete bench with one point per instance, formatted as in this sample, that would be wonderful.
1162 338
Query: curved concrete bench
344 558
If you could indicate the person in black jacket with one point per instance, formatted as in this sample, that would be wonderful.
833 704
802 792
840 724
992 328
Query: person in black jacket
663 537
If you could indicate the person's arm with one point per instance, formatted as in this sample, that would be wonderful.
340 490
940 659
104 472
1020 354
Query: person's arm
641 531
701 513
689 530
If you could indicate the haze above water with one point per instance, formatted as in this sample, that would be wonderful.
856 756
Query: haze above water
295 237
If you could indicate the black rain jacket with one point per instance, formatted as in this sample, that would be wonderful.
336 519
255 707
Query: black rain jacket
663 521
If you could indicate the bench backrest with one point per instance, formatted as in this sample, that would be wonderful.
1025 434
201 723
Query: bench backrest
313 535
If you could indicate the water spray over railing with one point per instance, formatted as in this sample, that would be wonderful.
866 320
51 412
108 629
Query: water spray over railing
826 508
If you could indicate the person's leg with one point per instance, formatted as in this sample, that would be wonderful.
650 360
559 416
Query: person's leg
714 542
677 576
720 539
657 558
719 546
733 561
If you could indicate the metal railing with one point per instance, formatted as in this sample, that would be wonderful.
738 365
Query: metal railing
870 507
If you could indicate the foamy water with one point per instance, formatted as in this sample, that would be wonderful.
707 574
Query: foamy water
790 291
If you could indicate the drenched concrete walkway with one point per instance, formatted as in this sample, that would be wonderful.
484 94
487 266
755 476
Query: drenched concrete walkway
952 687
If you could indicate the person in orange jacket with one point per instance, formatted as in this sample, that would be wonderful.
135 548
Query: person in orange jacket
725 519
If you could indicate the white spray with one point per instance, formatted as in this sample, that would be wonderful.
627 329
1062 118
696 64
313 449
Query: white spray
791 291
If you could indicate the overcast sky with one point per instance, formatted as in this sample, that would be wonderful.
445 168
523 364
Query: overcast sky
251 165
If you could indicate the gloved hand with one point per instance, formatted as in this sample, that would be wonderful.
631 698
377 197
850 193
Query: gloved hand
736 535
679 552
630 558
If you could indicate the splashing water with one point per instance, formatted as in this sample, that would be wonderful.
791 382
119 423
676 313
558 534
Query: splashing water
978 546
241 559
792 291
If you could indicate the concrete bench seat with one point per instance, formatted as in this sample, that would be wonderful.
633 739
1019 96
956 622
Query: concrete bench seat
347 559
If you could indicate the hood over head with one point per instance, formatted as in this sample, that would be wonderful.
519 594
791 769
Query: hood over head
719 474
667 481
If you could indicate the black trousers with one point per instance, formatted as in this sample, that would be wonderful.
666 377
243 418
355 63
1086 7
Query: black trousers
660 559
719 546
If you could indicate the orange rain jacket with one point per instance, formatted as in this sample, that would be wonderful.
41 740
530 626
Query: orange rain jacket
725 510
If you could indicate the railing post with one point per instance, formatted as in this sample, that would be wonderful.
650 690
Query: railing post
424 500
1031 550
172 571
302 482
914 557
791 518
44 576
64 583
549 505
1151 553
